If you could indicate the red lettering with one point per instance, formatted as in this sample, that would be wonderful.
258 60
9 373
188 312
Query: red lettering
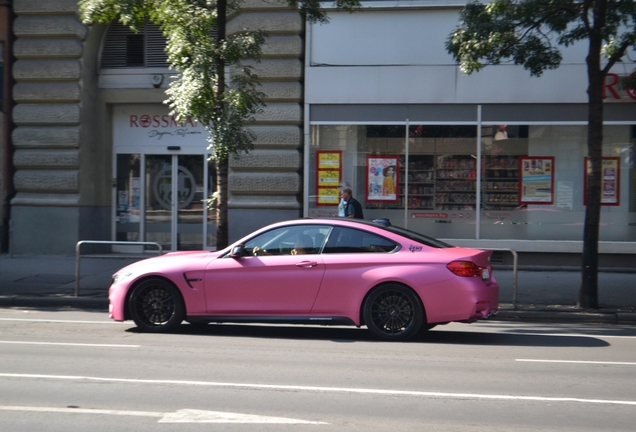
631 92
160 121
611 85
145 121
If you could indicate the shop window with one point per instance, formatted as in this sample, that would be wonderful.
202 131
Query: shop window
532 183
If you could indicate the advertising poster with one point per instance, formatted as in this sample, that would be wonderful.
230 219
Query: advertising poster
537 180
382 178
610 181
328 176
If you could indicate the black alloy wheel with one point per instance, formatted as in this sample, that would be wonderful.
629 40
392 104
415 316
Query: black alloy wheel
156 306
393 312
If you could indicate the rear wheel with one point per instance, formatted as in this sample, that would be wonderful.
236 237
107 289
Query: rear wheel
393 312
156 306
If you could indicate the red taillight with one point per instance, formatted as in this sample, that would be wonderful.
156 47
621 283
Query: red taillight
465 268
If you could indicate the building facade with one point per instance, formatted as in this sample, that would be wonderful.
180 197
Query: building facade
6 178
496 159
97 156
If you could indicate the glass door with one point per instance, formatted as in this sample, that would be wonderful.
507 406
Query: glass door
128 198
163 199
158 200
191 212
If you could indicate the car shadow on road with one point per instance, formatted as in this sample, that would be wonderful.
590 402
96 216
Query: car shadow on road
506 339
352 335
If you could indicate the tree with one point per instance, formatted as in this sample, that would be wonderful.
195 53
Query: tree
524 32
198 50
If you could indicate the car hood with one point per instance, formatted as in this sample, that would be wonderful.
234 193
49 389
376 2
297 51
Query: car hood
182 260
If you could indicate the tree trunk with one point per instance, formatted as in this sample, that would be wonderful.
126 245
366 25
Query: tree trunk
588 296
222 237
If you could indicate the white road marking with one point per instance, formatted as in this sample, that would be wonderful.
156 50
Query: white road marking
181 416
81 411
198 416
61 321
576 362
330 389
71 344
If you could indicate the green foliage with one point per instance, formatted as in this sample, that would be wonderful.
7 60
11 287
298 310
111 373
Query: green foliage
527 32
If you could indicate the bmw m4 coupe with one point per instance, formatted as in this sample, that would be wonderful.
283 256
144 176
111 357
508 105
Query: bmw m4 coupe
394 281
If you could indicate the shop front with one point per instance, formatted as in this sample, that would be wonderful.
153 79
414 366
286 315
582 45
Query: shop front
491 179
496 159
162 180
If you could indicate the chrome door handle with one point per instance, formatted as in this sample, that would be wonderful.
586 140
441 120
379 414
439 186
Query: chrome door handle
307 264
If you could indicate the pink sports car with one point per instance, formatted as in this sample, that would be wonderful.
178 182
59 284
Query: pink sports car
313 271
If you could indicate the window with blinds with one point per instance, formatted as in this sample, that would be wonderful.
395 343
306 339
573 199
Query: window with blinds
124 48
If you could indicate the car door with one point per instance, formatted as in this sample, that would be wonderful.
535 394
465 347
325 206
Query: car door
355 260
275 277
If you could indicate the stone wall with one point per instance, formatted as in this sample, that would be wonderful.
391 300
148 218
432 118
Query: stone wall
62 147
267 182
47 115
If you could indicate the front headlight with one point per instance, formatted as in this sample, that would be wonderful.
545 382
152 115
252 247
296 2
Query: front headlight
120 277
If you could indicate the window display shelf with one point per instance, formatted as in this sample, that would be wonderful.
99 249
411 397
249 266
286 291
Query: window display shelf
455 182
500 184
448 182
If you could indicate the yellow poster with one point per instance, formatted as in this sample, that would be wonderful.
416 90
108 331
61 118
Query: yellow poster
328 196
328 177
328 160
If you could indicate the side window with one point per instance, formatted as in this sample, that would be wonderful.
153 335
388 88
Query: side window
347 240
290 240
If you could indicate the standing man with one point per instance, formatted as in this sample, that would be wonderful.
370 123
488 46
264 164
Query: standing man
352 208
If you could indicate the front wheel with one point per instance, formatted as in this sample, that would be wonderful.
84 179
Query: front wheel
393 312
156 306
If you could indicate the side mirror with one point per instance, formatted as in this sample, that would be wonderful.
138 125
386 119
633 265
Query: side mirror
238 251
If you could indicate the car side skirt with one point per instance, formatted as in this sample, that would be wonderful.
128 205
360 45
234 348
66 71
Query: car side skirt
326 320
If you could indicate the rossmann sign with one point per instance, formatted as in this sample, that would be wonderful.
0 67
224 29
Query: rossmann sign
152 126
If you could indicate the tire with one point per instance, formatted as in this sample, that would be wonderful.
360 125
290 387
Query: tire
156 306
393 312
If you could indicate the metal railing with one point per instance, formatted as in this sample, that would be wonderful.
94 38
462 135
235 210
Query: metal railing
78 254
515 259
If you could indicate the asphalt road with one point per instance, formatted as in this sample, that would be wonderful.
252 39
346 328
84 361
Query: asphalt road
78 371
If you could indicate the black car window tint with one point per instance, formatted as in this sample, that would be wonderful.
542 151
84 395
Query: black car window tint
347 240
419 238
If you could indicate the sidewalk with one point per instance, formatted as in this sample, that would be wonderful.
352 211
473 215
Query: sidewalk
47 281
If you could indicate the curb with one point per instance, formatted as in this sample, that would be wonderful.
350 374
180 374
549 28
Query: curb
92 303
